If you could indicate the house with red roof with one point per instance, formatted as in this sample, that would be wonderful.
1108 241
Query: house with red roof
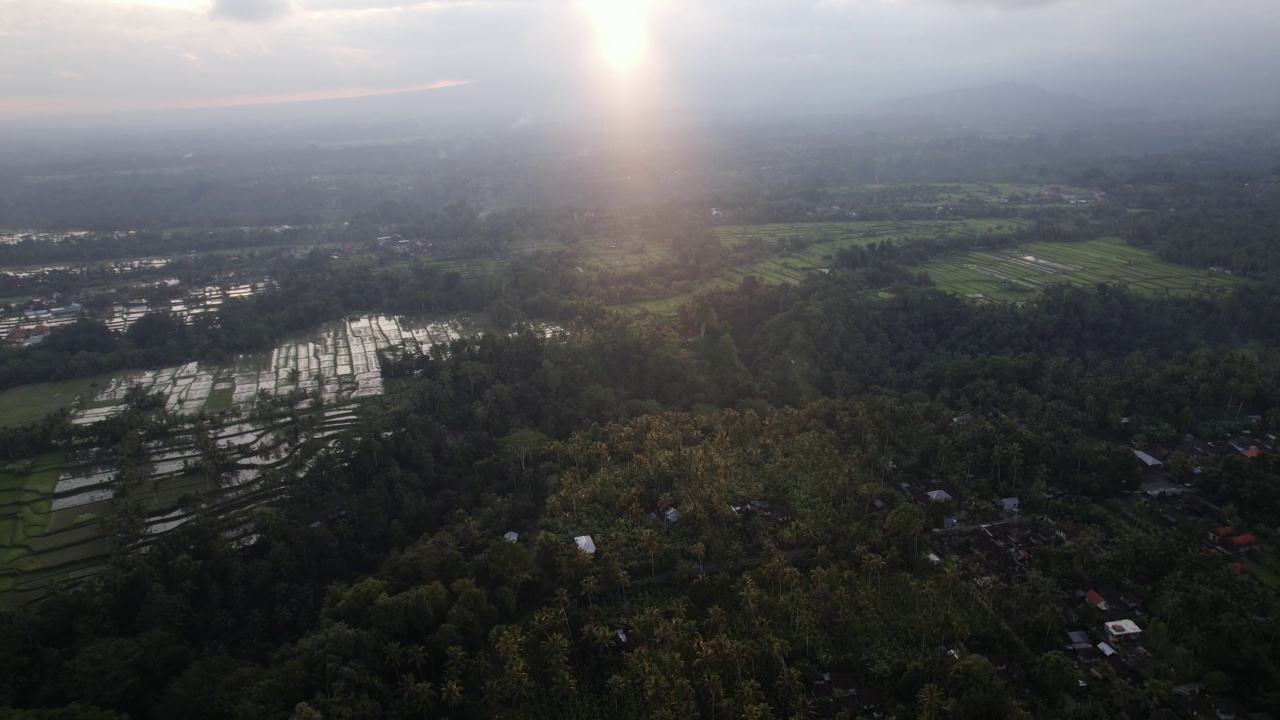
1241 544
1217 535
1227 540
1096 600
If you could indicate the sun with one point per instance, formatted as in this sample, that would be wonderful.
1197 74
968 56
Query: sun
620 28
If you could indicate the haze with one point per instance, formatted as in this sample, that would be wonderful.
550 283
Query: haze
534 59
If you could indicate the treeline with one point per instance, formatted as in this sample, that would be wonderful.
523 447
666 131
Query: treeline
308 292
465 231
144 243
1229 225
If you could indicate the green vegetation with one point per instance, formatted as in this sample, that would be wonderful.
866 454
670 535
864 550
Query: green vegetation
1023 272
1261 571
26 489
29 403
807 493
788 253
220 398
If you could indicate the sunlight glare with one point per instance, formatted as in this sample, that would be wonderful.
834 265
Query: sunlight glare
620 30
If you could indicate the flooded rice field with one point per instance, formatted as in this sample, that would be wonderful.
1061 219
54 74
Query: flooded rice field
340 360
337 363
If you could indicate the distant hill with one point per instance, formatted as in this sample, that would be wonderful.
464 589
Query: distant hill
1007 102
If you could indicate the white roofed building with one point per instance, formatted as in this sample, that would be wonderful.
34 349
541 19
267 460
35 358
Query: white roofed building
1121 630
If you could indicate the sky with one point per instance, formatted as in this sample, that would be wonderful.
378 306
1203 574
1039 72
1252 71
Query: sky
532 58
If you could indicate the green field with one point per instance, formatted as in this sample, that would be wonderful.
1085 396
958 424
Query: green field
799 250
26 489
30 403
1262 565
803 248
220 399
958 196
1022 273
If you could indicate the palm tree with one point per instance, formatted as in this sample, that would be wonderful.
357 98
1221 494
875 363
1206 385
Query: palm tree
562 597
617 685
590 586
699 551
422 698
451 693
416 657
395 655
651 544
930 699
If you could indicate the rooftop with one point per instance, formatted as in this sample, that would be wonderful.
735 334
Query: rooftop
1123 627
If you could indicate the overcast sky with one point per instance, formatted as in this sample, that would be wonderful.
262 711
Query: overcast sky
536 56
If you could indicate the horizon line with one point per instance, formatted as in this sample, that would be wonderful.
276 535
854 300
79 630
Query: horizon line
64 107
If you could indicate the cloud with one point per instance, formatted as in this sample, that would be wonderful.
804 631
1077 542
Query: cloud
1001 4
541 56
252 11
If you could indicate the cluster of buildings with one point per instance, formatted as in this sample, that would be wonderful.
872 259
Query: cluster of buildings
198 302
1192 454
13 238
1074 197
39 317
1115 640
44 314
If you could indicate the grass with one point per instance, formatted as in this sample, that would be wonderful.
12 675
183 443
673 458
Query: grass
1000 275
1023 273
798 250
925 194
793 251
27 488
219 399
1260 571
30 403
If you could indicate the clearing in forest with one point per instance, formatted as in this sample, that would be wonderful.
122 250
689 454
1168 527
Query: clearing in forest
790 252
1022 273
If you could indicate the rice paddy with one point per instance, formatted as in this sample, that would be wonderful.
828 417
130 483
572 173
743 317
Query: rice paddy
1024 272
30 403
797 250
51 507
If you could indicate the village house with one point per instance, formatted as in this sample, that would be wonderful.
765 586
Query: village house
1229 541
1147 461
1121 631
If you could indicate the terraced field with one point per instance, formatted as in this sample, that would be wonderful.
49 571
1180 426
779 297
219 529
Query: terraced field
52 507
338 360
1022 273
29 403
25 489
